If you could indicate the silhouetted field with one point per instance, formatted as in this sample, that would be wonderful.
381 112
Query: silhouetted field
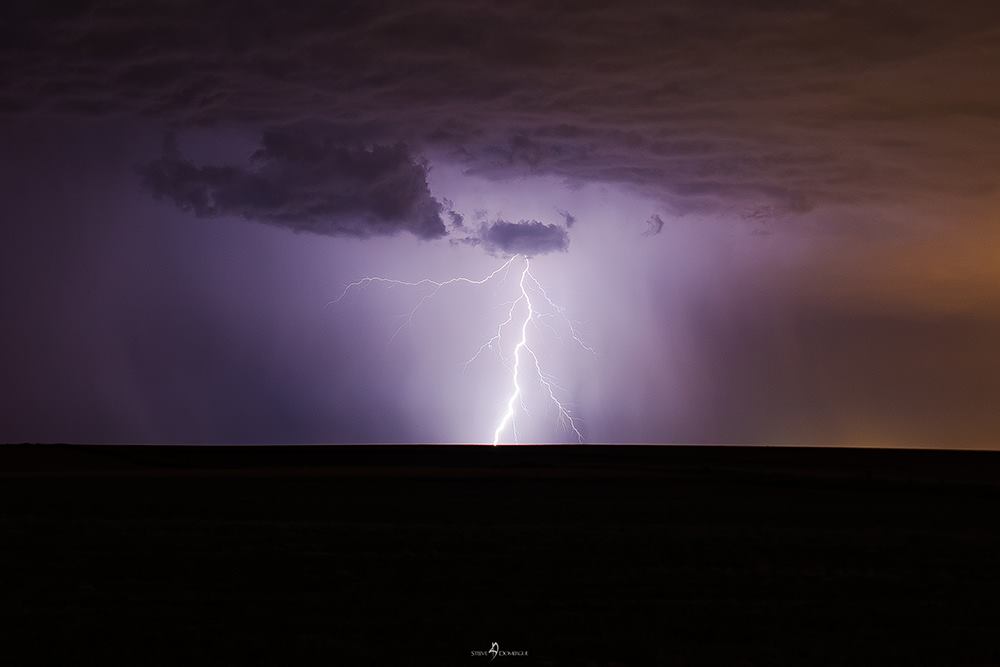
578 555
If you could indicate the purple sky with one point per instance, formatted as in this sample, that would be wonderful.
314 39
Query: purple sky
773 226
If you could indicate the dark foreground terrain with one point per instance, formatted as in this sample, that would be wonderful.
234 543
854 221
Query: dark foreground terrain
422 555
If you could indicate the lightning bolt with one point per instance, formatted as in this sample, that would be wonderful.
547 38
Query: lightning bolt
435 285
523 353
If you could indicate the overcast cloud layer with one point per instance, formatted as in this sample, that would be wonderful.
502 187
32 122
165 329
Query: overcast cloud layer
709 105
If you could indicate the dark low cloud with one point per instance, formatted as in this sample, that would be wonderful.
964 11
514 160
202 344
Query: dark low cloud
567 217
456 219
299 181
527 237
654 225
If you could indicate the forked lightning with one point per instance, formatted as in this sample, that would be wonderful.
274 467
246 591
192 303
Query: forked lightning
523 354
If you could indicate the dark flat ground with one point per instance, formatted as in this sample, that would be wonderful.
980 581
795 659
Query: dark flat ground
419 555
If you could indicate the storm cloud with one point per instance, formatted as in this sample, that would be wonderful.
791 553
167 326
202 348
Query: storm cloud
567 217
824 175
654 225
305 184
527 237
710 106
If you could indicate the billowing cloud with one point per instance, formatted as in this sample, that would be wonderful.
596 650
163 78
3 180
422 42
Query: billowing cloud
708 105
456 219
527 237
307 184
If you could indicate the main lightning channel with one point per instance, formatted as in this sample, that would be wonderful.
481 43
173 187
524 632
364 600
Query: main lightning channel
530 316
528 284
508 415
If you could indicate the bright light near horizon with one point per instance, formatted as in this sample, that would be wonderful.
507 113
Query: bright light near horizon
528 284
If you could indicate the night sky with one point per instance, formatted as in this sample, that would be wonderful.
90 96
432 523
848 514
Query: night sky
773 225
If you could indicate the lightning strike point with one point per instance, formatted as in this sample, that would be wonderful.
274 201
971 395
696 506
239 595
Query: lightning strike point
528 285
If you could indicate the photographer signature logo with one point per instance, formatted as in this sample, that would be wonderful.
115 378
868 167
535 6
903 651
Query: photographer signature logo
495 652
